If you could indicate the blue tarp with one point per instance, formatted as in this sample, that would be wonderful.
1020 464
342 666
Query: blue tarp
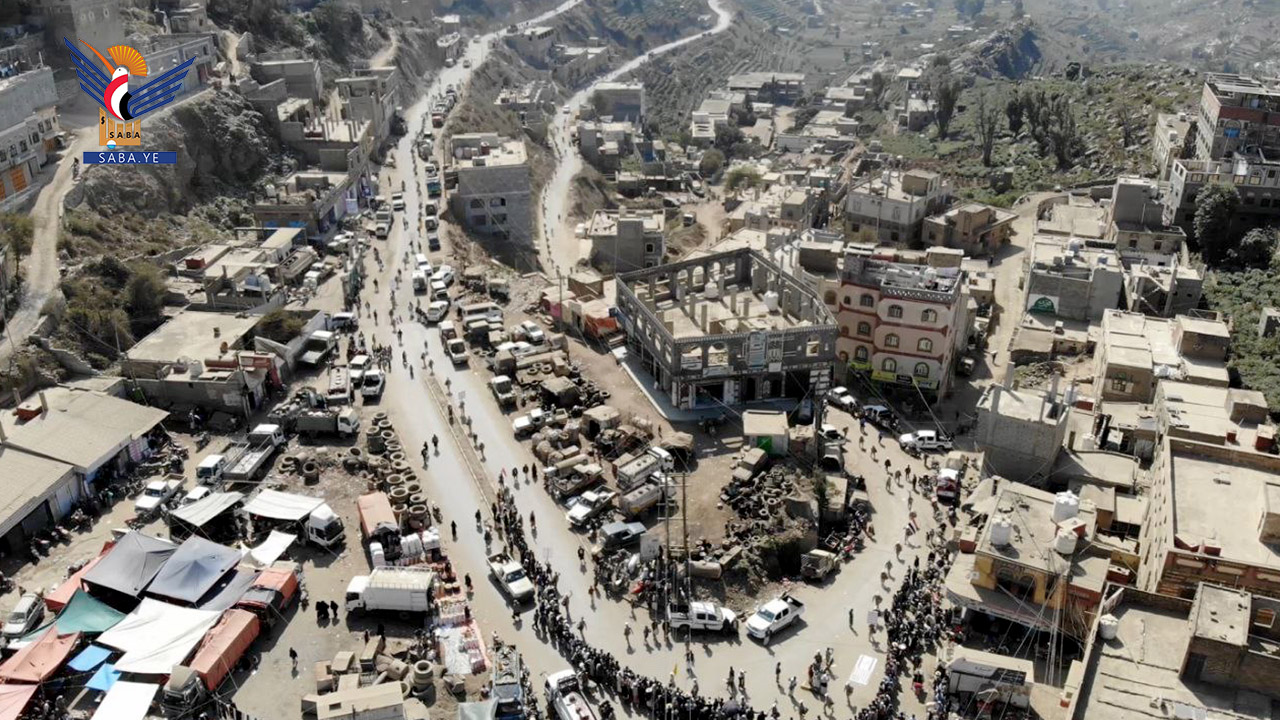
89 658
104 678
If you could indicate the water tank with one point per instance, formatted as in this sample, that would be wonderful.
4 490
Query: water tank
1001 531
1065 541
271 190
771 301
1108 627
1065 506
713 290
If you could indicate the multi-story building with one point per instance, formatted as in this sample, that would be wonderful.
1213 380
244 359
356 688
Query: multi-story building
1256 179
451 45
1237 113
1135 351
371 96
1213 516
901 324
605 144
28 125
167 51
97 22
619 100
1034 563
771 87
1073 280
1170 142
494 193
301 76
710 116
973 227
533 43
626 240
892 205
1021 431
1136 224
727 328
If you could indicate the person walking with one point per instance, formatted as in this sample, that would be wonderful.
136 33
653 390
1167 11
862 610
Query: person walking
293 658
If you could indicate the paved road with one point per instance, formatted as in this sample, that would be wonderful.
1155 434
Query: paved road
563 248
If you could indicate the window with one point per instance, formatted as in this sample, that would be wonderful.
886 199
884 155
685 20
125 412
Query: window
867 301
497 202
889 365
1119 384
649 247
925 345
844 331
864 328
829 298
1158 246
847 301
895 311
922 370
891 340
499 218
1133 243
929 316
477 203
479 220
860 353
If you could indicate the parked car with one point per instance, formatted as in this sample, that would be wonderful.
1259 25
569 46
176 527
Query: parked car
924 441
842 398
588 505
620 534
530 330
157 493
702 616
437 310
773 616
23 618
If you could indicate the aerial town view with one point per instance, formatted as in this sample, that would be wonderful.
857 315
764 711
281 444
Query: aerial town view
639 359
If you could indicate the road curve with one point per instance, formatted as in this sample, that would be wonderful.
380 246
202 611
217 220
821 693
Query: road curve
562 247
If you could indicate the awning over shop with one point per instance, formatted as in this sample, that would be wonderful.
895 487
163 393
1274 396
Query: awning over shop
89 658
127 701
104 678
272 548
200 512
278 505
156 636
85 614
39 660
196 567
62 594
14 699
131 564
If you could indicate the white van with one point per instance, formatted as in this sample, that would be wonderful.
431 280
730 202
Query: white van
209 471
421 262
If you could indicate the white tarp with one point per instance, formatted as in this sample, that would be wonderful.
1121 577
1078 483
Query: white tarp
127 701
282 505
272 548
156 636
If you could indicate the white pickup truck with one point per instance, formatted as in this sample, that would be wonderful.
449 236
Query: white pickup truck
924 441
702 616
773 616
156 494
565 696
511 578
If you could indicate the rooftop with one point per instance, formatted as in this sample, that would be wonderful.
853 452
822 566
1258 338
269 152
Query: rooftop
195 335
1216 502
764 422
1078 217
1055 256
885 274
27 479
100 424
1221 614
714 106
605 222
1026 404
506 152
1034 533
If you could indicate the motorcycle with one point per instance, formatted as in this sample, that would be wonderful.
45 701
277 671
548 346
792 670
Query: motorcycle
202 440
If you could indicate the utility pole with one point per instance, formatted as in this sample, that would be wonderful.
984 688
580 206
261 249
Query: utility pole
560 283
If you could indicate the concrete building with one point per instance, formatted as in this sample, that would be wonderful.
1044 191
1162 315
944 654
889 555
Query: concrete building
891 206
168 51
493 196
1021 432
575 64
371 95
711 115
1256 178
1136 224
526 100
1162 290
1268 322
1169 142
301 76
1237 113
973 227
37 492
451 45
28 126
97 22
533 43
1033 563
606 144
1226 417
1206 654
311 201
787 206
914 114
770 87
335 146
1073 280
87 430
619 100
901 324
1135 351
725 329
626 240
1214 516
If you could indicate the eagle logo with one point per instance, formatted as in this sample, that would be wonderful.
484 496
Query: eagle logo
111 88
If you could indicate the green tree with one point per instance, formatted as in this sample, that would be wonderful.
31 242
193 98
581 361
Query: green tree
1013 112
741 177
986 121
144 294
878 85
946 93
1216 206
17 232
1255 249
279 325
711 163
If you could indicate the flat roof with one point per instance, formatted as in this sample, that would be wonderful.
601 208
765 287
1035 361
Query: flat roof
1221 614
193 334
1217 502
1023 404
1203 326
506 153
764 422
1031 544
82 428
27 479
605 222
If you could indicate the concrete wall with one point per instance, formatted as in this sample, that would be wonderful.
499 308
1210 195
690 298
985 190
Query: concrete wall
1079 298
97 22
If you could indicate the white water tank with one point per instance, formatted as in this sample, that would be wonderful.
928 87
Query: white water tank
1001 531
772 301
1066 505
713 290
1065 541
1108 627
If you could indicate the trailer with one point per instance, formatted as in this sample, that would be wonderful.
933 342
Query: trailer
403 590
252 455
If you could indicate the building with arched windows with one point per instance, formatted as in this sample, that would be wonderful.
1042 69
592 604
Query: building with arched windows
900 324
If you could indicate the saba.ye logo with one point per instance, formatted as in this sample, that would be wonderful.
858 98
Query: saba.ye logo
119 122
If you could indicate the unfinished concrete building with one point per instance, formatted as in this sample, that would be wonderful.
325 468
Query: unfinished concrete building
726 329
1022 431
